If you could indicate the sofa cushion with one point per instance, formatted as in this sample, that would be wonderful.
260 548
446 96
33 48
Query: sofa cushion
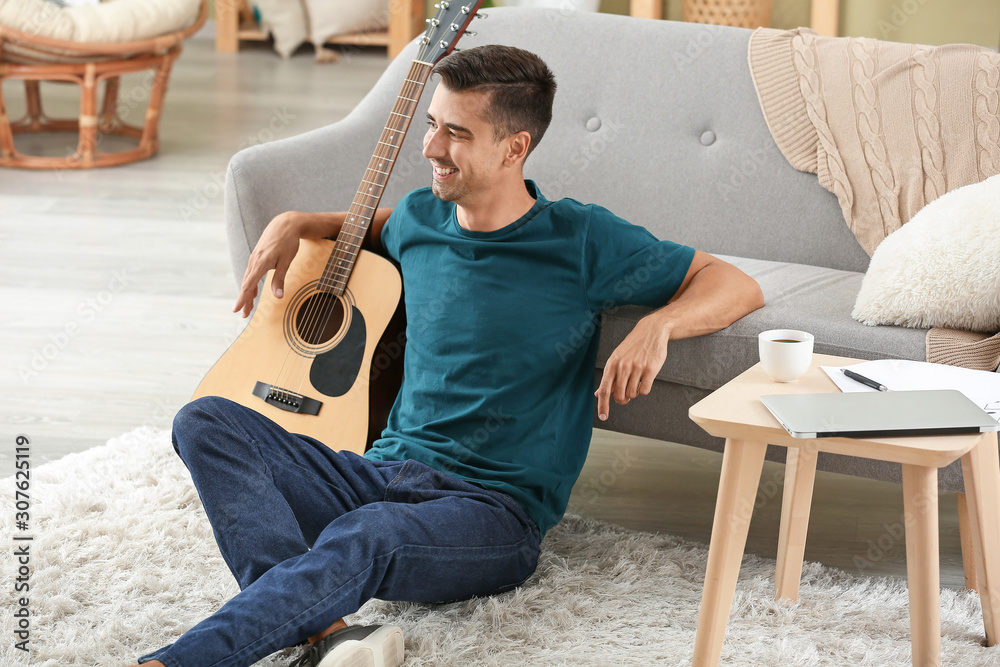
798 296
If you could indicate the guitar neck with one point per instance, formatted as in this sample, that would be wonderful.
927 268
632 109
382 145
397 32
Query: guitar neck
445 29
369 193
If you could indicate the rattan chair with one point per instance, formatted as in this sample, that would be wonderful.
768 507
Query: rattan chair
34 59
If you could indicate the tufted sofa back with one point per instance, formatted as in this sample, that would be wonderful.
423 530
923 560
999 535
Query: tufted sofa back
656 120
659 121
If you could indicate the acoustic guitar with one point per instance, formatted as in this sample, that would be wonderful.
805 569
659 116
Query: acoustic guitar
305 361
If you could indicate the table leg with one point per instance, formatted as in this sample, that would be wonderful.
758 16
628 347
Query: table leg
800 474
965 540
923 574
825 17
227 26
406 21
981 472
646 9
742 463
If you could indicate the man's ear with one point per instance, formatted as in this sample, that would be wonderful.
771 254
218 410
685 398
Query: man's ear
517 147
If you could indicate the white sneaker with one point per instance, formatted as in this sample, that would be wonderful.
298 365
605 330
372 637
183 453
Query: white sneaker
356 646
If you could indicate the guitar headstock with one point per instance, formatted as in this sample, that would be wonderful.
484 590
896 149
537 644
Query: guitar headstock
446 28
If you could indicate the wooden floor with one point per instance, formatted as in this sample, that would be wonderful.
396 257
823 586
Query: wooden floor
116 291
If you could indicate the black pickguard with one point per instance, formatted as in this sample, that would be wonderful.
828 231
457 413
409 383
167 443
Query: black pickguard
334 372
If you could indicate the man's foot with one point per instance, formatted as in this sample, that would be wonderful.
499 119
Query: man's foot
356 646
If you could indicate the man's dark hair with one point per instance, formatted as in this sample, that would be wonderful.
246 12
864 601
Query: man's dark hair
519 84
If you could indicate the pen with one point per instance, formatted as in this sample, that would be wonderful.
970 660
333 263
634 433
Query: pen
857 377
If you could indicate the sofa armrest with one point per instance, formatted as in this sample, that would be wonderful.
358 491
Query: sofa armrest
309 172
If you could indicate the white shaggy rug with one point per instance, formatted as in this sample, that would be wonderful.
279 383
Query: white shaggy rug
123 561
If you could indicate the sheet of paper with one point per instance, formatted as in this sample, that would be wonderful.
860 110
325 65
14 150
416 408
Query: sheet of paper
982 387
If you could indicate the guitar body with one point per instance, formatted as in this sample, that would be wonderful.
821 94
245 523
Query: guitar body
305 361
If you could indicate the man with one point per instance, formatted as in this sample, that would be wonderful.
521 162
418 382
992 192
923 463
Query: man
492 424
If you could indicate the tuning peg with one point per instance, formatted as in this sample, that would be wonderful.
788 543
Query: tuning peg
434 22
482 15
443 5
471 33
466 10
455 27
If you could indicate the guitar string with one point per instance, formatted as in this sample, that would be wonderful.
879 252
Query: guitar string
346 248
325 307
338 270
312 323
412 89
325 299
321 309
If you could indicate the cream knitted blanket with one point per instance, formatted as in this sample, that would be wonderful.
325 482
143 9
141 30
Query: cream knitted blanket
887 127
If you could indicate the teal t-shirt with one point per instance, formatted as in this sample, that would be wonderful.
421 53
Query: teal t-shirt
502 339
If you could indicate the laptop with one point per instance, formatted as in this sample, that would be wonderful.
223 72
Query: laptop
874 414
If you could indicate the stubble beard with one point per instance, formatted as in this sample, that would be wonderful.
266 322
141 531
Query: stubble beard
452 192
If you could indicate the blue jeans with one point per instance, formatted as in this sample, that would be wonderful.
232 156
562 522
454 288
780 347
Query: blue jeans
311 534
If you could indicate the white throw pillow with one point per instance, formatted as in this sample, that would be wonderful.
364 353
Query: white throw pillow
940 269
327 19
286 21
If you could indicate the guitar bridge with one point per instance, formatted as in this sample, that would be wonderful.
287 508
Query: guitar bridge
284 399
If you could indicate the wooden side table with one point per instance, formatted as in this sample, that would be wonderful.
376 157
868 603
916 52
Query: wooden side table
735 413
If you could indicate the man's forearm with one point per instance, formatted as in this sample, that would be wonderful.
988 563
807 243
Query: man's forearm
317 225
279 243
311 225
718 295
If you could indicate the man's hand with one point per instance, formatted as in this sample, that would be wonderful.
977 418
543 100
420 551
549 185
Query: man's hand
275 250
633 365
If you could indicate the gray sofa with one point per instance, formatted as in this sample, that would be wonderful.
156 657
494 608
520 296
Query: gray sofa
659 122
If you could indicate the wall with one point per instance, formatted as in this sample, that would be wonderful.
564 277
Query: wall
924 21
915 21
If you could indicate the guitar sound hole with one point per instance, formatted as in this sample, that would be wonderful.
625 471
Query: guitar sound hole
319 318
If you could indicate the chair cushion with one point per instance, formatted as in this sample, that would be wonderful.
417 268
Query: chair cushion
797 296
112 21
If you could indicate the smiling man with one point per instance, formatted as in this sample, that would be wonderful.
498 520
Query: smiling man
492 423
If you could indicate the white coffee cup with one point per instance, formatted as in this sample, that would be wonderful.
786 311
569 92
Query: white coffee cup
785 354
